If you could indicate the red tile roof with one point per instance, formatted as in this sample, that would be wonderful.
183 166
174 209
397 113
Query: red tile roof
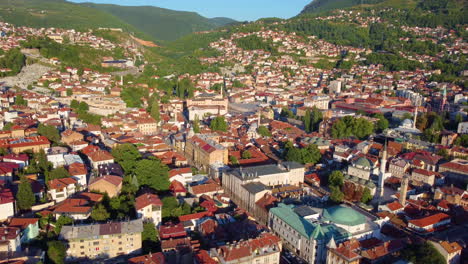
152 258
22 223
59 184
429 220
144 200
114 180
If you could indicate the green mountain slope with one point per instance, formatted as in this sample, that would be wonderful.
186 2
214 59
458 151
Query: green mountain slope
317 6
161 23
57 13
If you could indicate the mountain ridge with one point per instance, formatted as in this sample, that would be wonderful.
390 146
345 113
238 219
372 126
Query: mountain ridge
143 21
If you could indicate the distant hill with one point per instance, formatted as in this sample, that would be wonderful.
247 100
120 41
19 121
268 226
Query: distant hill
317 6
145 21
57 13
161 23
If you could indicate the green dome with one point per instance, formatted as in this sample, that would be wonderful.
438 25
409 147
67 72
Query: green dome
343 215
363 162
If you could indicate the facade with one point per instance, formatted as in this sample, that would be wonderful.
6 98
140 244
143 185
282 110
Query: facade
18 145
398 167
246 186
7 203
149 207
430 223
265 249
203 152
102 241
450 251
10 239
147 126
424 176
215 105
361 168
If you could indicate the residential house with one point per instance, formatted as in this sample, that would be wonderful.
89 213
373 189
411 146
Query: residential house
182 175
149 207
10 239
21 159
109 184
79 172
7 202
61 189
69 136
100 157
29 228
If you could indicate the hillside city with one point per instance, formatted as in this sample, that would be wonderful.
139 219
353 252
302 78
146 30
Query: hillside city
334 137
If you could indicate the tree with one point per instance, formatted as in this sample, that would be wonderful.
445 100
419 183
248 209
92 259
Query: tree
25 198
56 252
218 124
311 154
126 155
382 123
336 178
155 111
70 92
100 213
61 221
170 203
336 195
338 130
422 254
316 118
149 238
366 196
233 160
307 121
246 154
20 100
152 173
58 173
50 132
263 131
7 126
196 125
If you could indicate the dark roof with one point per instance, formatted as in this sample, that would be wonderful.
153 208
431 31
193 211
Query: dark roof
304 210
255 187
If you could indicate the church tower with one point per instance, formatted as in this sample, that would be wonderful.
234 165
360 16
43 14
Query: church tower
383 165
403 190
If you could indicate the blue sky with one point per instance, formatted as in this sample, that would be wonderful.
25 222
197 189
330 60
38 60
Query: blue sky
237 9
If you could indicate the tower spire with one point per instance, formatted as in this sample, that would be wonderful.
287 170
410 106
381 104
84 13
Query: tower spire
383 165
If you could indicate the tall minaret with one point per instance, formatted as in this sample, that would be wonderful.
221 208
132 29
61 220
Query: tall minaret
403 190
444 100
383 165
415 117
